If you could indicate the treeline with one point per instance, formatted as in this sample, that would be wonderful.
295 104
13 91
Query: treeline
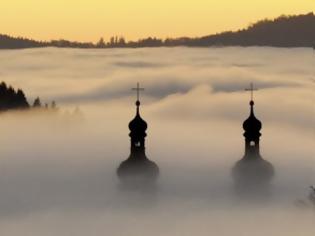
11 99
284 31
8 42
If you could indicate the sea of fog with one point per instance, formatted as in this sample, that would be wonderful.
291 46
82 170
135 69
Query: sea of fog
58 170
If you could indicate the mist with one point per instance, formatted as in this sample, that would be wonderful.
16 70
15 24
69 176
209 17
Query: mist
58 171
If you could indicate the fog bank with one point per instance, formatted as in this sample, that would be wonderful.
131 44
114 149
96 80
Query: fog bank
58 171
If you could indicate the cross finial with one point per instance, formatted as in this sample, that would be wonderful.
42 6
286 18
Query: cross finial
251 89
138 89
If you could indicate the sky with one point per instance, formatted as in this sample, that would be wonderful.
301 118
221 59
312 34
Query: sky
88 20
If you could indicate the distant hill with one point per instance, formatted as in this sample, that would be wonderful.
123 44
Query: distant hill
8 42
284 31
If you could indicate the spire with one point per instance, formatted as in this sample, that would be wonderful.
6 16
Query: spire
138 126
252 173
251 103
138 165
138 89
252 127
251 89
138 107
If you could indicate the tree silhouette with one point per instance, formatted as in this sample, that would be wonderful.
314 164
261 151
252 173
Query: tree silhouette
37 103
101 43
53 105
16 99
20 96
11 99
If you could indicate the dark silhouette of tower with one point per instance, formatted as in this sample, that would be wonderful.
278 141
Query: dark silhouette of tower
252 172
138 168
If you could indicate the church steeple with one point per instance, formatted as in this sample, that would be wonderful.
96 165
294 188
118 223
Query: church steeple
252 127
138 128
138 167
252 173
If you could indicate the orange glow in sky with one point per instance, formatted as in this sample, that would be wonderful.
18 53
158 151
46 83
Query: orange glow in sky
88 20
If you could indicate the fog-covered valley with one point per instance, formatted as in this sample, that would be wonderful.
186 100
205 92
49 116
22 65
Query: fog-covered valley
58 171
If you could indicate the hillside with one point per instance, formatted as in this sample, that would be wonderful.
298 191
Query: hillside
284 31
8 42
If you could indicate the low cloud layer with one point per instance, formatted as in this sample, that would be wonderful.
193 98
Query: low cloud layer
57 173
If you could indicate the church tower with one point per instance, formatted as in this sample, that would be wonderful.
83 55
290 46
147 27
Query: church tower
252 172
137 167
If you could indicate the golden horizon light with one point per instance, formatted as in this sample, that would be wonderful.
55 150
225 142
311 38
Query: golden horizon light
84 20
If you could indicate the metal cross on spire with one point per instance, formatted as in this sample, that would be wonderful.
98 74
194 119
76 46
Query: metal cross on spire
251 89
138 89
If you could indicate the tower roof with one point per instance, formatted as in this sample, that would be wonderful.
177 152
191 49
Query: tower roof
252 125
138 126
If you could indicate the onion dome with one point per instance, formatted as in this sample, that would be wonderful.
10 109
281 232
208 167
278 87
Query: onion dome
138 126
252 125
